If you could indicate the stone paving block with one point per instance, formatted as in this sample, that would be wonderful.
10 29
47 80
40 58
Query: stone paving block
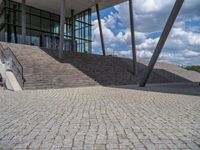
98 118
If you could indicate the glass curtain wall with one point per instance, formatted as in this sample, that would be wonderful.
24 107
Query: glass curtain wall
2 22
83 31
42 24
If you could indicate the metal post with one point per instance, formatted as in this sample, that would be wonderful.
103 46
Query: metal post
9 22
24 21
14 23
73 30
162 40
133 37
62 24
100 30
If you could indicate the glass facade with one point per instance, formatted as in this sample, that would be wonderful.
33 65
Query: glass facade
42 28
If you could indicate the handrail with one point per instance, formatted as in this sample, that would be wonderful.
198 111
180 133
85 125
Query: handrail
13 56
2 53
17 67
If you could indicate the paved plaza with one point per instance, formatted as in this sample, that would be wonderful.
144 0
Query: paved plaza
100 118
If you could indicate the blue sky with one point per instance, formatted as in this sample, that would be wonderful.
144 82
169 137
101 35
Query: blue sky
182 46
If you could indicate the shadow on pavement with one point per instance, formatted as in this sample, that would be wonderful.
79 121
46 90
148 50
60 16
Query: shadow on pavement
171 88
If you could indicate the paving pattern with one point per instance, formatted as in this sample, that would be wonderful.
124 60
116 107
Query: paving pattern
98 118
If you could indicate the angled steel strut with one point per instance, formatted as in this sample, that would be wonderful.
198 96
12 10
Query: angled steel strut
162 41
100 30
133 37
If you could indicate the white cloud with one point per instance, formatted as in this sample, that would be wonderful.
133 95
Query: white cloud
148 6
110 21
144 54
148 44
188 37
108 34
190 54
182 46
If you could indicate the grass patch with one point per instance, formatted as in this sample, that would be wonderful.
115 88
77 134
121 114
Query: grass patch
193 68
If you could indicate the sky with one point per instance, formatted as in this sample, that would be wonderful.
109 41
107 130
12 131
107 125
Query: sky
182 46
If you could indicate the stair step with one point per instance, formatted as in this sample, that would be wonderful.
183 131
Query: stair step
42 71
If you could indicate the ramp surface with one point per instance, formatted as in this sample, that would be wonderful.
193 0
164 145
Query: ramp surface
43 69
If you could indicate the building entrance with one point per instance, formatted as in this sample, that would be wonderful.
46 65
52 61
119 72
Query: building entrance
43 28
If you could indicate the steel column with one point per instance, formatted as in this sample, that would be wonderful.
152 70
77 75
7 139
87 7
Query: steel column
62 24
73 30
14 23
100 30
162 40
133 37
9 22
24 21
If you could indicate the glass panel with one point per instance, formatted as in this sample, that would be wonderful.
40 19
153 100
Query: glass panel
28 37
13 5
46 25
55 28
35 38
27 9
55 17
19 36
35 11
6 3
28 20
35 22
45 14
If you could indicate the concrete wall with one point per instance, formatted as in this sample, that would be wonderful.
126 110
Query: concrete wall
9 78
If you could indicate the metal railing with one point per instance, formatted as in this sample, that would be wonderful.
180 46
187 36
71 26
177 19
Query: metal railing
2 53
16 67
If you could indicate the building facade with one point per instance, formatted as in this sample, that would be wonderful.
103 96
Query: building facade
65 25
43 27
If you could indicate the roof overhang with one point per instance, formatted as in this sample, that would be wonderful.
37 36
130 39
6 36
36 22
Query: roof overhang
78 5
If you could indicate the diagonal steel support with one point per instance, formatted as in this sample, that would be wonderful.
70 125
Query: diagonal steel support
163 38
133 37
100 30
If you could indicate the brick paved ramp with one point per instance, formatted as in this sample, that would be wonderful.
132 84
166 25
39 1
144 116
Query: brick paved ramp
43 70
99 118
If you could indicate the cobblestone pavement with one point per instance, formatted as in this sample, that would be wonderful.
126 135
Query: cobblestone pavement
98 118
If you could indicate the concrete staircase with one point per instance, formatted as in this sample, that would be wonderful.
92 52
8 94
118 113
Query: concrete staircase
43 69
